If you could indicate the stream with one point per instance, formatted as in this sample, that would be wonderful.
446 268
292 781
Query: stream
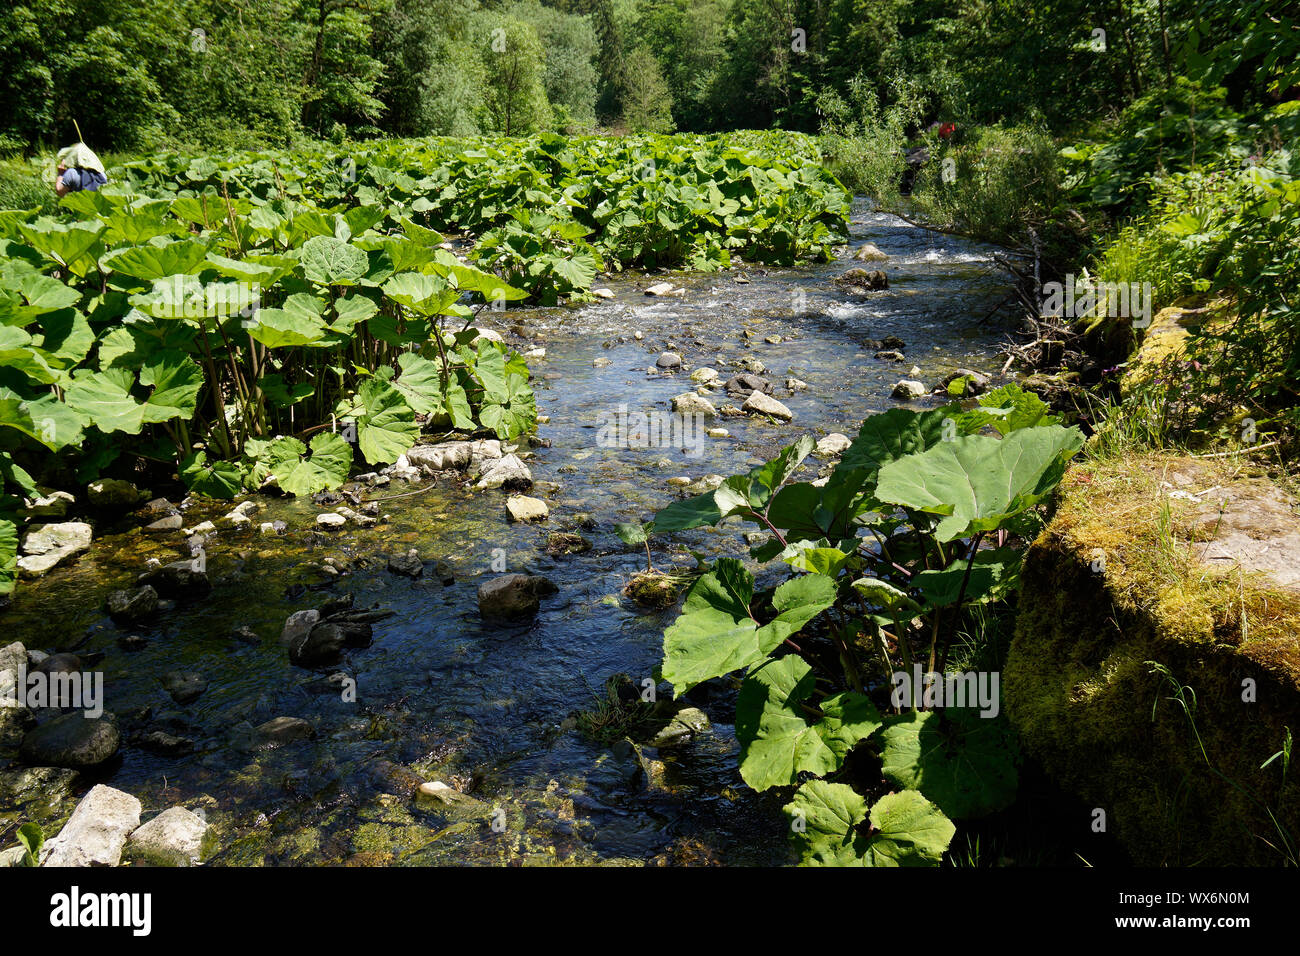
442 694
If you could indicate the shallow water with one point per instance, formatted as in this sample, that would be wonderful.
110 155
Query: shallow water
481 706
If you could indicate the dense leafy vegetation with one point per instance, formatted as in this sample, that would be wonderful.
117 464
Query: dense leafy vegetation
888 562
241 318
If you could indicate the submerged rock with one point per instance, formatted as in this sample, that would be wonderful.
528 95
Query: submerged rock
686 724
184 686
859 281
284 730
131 606
524 509
513 596
96 832
408 565
71 740
177 578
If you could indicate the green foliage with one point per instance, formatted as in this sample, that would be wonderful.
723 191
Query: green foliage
928 489
647 103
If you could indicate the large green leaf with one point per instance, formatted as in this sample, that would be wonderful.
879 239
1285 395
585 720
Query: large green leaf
777 742
330 261
218 479
299 474
906 829
386 425
977 482
717 633
176 380
8 555
965 763
299 322
149 262
104 398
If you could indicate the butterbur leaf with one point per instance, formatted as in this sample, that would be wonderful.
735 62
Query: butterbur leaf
104 399
386 425
828 820
977 482
962 761
176 380
695 512
716 632
777 741
1008 408
218 479
633 534
8 555
330 261
326 467
992 571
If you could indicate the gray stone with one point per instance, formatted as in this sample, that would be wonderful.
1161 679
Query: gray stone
131 606
686 725
53 505
689 403
96 832
49 545
766 405
524 509
908 389
669 360
184 686
177 578
298 625
506 472
446 456
408 564
169 523
746 384
173 838
833 445
869 252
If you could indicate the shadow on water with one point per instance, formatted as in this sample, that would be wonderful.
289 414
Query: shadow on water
439 693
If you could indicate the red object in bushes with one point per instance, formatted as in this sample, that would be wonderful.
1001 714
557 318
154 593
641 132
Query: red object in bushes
946 130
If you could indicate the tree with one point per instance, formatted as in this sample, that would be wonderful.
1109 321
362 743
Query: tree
647 104
568 48
514 99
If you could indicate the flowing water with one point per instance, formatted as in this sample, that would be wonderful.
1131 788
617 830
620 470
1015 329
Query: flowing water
441 694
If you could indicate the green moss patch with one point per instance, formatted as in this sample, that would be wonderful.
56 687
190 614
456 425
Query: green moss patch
1181 562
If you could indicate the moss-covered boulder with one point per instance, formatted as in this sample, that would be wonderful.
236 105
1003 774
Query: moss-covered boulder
1155 667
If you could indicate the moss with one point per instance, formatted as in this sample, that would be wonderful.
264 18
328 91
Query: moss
652 589
1114 582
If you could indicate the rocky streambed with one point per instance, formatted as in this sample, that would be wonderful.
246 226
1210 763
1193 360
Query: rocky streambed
392 674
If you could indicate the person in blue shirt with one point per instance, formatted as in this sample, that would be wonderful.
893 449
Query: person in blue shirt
78 168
